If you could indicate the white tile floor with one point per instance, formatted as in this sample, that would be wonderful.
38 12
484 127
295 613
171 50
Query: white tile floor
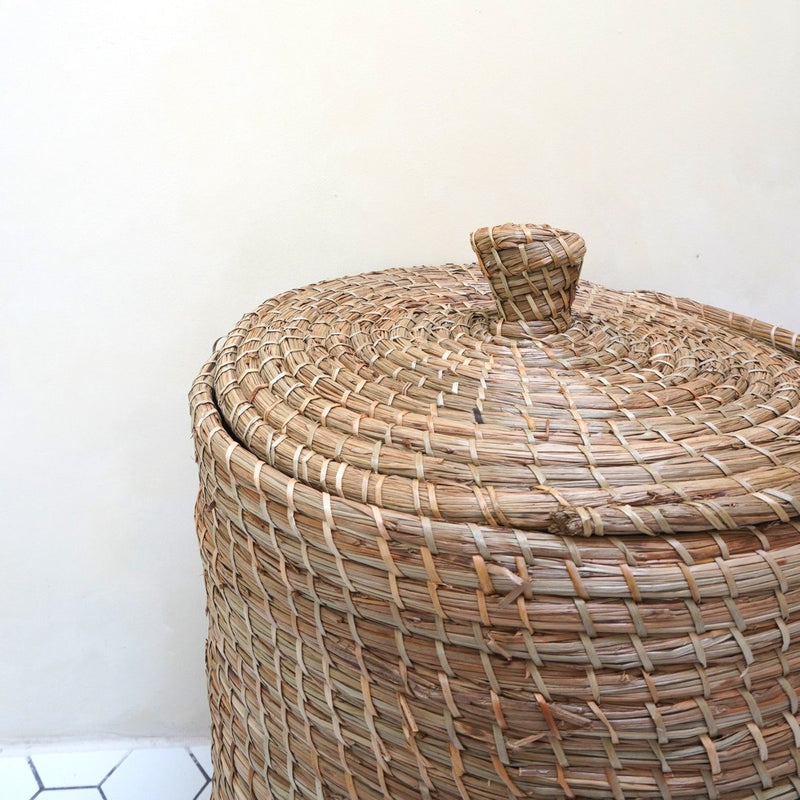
155 773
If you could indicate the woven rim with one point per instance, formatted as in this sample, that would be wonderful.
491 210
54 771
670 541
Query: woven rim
392 390
448 560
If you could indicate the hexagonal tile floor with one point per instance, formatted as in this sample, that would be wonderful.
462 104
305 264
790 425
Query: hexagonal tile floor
163 773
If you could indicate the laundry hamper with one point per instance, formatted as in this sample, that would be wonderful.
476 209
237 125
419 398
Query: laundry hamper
466 539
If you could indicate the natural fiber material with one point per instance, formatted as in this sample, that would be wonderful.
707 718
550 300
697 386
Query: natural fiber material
453 556
533 271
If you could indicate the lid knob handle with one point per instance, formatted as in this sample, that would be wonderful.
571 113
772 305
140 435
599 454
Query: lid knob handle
533 272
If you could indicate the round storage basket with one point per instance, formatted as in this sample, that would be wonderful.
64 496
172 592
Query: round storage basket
483 532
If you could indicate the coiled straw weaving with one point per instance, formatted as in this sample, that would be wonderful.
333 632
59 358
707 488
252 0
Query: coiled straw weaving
465 540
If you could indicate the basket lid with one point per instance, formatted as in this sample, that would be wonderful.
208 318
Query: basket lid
507 393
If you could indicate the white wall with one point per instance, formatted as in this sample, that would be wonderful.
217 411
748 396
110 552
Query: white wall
168 165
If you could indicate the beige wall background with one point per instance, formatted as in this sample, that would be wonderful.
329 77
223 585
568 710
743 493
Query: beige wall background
166 166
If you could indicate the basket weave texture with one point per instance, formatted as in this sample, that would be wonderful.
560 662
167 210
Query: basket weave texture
462 542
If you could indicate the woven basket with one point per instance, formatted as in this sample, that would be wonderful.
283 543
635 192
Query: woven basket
465 540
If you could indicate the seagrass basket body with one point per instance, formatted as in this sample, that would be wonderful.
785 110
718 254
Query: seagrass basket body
482 532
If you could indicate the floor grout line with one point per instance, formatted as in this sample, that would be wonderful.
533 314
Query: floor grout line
35 777
198 765
202 789
113 770
42 792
